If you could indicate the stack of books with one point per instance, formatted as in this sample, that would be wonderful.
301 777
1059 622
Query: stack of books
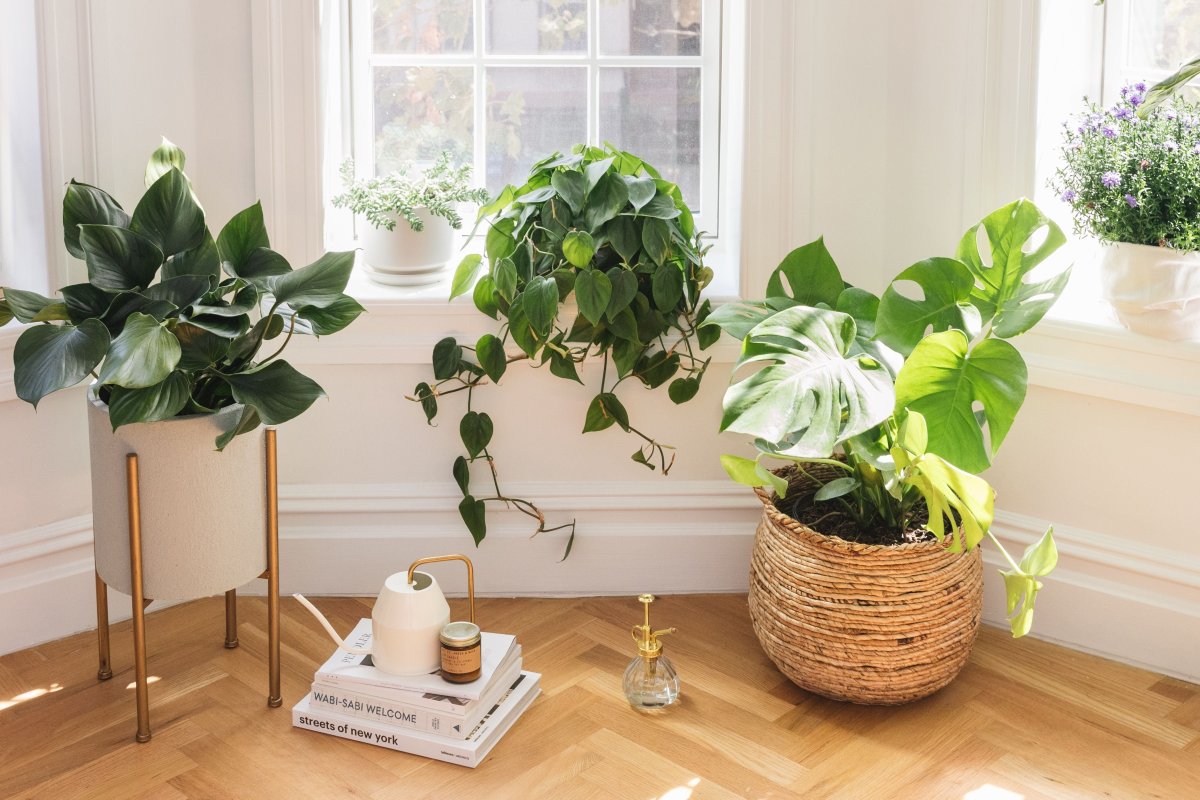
420 714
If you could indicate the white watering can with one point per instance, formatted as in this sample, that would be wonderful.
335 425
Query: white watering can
406 621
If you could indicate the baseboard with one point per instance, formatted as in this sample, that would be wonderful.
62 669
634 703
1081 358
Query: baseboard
1109 596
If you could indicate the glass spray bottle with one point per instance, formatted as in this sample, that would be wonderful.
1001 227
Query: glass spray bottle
650 679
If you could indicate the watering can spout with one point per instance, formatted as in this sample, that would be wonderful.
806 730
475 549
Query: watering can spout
358 651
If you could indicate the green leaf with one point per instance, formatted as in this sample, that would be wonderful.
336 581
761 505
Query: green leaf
227 327
260 266
624 236
490 352
333 317
119 258
199 348
245 301
739 317
6 314
811 274
768 478
169 216
656 240
499 242
475 430
1001 291
522 332
624 286
484 297
32 307
624 325
474 517
914 433
953 496
836 488
462 475
277 391
943 381
625 355
1160 91
1021 591
241 236
539 301
742 470
571 186
945 285
424 393
247 421
661 206
604 410
203 259
683 389
605 201
87 205
811 392
504 274
667 286
181 291
165 157
657 368
85 301
144 354
578 248
150 404
641 190
47 358
562 366
464 276
127 303
595 171
592 291
320 284
447 358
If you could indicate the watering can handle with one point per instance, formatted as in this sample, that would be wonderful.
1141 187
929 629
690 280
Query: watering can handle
358 651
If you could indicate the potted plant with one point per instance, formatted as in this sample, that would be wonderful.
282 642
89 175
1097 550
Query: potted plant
865 581
170 326
1131 182
597 257
408 238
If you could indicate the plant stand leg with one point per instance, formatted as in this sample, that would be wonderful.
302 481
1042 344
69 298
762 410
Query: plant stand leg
105 670
231 639
274 699
139 601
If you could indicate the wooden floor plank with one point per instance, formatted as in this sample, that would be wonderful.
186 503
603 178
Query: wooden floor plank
1025 719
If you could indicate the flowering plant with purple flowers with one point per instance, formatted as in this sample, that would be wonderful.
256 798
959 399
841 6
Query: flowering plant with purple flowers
1129 179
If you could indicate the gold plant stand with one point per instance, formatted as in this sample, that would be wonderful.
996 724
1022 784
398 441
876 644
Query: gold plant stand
274 699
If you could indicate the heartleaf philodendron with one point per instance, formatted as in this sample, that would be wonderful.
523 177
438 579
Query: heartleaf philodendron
166 322
909 396
599 227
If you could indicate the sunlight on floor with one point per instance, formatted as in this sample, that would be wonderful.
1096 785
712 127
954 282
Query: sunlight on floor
680 792
30 695
990 792
151 679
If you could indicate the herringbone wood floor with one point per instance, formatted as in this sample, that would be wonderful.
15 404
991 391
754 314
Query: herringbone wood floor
1025 719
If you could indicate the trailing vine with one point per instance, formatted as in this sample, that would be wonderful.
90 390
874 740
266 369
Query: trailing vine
596 256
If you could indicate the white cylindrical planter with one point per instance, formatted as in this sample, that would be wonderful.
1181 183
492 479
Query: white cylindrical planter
404 257
1154 291
204 512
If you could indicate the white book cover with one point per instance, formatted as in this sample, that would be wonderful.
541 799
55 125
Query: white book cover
445 704
413 717
347 669
469 752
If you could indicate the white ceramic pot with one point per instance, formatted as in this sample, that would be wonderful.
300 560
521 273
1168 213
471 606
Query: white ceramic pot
404 257
1154 291
203 513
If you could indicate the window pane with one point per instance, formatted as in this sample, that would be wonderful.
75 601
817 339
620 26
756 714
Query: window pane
654 113
1163 33
650 27
527 27
421 111
531 111
423 26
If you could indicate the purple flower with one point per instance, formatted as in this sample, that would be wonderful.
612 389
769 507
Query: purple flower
1196 149
1069 195
1135 100
1170 146
1133 203
1123 112
1108 132
1170 113
1141 87
1110 179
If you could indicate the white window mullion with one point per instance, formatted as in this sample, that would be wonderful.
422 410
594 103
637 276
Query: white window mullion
479 111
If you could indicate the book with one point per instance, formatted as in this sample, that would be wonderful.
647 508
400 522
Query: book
445 704
415 717
347 670
469 752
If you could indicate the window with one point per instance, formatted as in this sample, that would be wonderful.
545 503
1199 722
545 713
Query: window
501 83
1147 40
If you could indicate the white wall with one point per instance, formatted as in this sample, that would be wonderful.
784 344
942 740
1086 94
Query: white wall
887 127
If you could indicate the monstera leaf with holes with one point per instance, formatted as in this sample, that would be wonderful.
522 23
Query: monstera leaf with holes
909 395
172 320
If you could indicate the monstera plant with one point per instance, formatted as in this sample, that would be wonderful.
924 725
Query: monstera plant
595 256
171 320
905 397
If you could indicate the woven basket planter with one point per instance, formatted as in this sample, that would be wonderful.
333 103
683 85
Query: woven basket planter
874 624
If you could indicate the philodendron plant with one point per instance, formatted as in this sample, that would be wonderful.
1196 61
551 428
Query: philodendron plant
171 321
916 392
602 227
